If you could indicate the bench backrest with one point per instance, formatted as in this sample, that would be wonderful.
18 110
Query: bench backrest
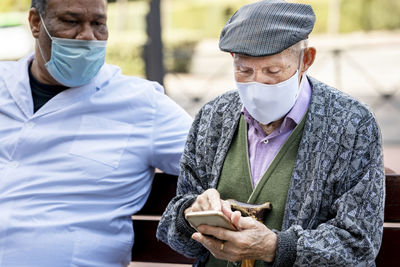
148 249
390 249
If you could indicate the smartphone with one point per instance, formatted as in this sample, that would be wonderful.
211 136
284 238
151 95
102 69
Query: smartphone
209 217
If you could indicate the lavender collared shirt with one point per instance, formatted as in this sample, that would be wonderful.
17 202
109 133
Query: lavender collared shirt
263 148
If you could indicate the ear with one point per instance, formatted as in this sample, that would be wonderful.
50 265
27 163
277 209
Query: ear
34 22
308 58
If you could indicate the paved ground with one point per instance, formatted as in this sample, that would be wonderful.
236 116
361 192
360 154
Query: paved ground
367 67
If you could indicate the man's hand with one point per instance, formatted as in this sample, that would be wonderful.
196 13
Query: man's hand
209 200
253 240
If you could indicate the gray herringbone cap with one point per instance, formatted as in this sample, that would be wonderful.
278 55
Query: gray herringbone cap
266 27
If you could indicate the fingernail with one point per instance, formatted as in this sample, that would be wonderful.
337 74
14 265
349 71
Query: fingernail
196 236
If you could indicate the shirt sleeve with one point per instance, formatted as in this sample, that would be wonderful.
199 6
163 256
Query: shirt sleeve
171 126
173 229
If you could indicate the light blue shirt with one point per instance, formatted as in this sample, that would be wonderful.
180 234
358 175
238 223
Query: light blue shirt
73 173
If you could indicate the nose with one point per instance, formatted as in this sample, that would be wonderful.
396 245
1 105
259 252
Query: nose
86 33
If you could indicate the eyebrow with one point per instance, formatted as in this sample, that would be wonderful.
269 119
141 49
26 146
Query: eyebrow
78 15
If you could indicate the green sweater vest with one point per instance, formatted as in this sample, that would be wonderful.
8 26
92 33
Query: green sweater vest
235 181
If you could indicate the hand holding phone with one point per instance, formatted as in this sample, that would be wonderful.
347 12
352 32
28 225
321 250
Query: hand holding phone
209 217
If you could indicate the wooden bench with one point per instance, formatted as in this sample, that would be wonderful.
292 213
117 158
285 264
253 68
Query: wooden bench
390 250
148 249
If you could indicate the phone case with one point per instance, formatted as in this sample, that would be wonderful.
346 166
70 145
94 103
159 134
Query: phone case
213 218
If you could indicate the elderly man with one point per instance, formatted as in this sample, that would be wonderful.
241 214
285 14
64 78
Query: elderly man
285 138
79 143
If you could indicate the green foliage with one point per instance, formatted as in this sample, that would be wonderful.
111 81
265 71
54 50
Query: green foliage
178 56
370 15
14 5
13 12
11 19
127 57
321 9
187 22
204 17
127 17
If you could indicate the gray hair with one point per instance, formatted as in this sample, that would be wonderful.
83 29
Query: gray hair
297 47
40 6
295 50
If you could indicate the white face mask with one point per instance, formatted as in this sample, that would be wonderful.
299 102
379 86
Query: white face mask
269 102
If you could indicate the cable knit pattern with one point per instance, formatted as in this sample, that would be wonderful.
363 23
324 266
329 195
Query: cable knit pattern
335 203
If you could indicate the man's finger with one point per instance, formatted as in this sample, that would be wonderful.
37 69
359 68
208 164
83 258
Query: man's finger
217 232
226 208
210 243
202 202
214 200
244 222
235 217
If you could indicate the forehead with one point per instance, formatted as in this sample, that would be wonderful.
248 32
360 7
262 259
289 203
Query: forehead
281 58
98 7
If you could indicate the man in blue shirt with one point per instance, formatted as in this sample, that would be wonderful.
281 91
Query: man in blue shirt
79 143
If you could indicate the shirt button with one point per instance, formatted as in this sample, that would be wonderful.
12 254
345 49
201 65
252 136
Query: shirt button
30 125
266 141
14 164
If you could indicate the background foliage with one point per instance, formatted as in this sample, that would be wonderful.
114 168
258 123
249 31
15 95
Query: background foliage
186 22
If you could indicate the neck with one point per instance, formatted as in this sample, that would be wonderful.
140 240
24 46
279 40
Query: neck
270 127
39 70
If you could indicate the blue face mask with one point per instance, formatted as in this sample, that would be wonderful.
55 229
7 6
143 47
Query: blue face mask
74 63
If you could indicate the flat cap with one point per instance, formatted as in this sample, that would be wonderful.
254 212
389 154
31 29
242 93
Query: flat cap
266 27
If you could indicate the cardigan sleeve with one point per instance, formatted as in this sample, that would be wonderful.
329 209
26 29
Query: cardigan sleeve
205 150
352 235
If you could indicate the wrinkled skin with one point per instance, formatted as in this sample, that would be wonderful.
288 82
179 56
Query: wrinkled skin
71 19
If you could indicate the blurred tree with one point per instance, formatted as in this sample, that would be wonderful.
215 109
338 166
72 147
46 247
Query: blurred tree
334 16
366 15
153 49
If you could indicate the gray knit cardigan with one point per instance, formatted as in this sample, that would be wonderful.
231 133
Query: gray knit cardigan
335 203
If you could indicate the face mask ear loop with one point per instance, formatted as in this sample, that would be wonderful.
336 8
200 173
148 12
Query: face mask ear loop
45 28
301 59
298 71
40 49
300 63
